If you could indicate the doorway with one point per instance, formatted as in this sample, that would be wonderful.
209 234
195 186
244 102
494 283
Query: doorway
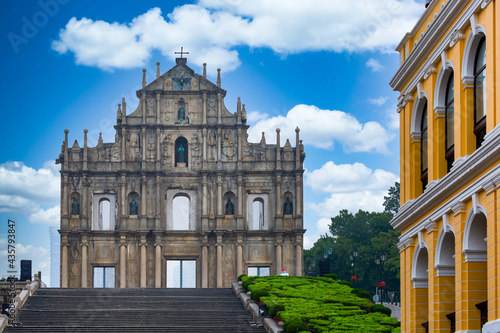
181 273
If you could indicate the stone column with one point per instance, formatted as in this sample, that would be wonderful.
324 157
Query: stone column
239 260
143 101
240 146
143 143
278 150
65 196
84 265
204 108
279 255
84 206
204 140
204 266
158 204
124 152
219 266
158 102
143 212
123 263
158 151
143 262
298 259
64 262
124 204
219 152
204 203
219 108
219 196
298 196
158 265
239 214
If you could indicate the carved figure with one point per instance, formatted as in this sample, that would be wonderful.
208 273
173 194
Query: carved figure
134 207
229 207
288 207
182 115
181 157
75 207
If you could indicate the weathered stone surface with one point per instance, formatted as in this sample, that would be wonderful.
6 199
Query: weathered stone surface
181 204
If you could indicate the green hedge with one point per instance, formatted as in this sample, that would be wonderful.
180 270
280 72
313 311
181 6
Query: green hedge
321 304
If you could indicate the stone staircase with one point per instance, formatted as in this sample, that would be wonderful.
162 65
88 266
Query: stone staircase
134 310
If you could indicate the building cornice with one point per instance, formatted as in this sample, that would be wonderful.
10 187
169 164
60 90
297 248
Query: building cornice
422 50
461 173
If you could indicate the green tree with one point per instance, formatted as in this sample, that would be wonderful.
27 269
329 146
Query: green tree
368 232
391 202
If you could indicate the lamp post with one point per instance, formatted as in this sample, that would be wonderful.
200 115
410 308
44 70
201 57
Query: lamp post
380 260
324 264
352 257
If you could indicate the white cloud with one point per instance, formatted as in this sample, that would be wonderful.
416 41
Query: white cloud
371 201
50 216
343 178
23 189
211 29
378 101
322 228
255 116
349 186
392 119
374 64
321 128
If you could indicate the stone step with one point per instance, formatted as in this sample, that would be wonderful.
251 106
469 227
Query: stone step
134 310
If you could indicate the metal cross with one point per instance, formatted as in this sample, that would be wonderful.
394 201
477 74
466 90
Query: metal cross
182 52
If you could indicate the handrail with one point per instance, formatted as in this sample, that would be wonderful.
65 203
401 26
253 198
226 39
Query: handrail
20 300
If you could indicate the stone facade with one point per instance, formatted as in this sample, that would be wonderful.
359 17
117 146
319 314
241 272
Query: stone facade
181 182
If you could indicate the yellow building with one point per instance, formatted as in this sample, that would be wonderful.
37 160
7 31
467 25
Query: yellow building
450 170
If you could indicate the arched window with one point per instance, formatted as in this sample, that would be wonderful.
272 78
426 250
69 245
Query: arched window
480 92
423 148
258 214
449 127
181 209
258 211
181 152
105 214
104 211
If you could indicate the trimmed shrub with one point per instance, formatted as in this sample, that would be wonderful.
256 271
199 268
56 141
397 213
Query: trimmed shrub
345 283
295 326
257 294
241 276
362 293
273 308
380 308
332 276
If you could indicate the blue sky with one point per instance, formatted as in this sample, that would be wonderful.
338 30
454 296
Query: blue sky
322 65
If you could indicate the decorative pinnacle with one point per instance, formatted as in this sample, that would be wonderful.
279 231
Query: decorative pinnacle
218 77
119 112
205 70
297 129
157 70
278 130
66 131
85 131
144 77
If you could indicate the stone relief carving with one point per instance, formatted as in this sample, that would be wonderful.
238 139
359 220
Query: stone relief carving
228 147
166 112
167 154
212 139
212 108
133 147
115 152
150 152
151 106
